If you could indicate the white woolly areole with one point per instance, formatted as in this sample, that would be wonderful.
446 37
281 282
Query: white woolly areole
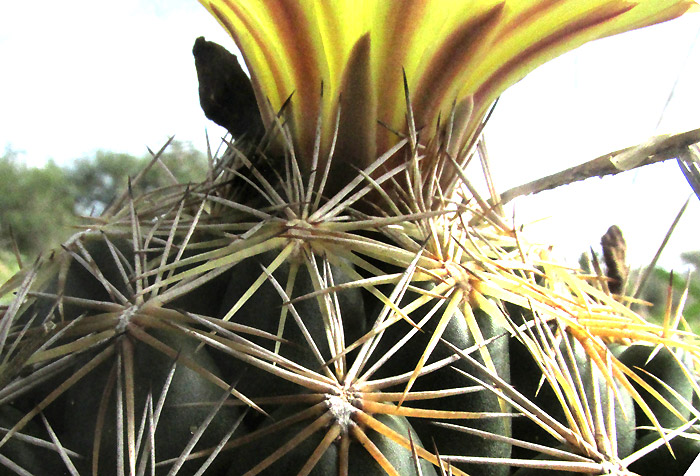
341 409
125 318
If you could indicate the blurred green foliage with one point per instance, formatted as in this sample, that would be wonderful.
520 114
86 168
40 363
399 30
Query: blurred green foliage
100 179
8 266
656 290
35 204
38 205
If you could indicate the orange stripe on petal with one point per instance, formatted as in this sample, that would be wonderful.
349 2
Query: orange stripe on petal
437 83
528 16
303 54
399 29
264 47
507 73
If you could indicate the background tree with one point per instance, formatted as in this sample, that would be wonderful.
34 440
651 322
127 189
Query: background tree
656 290
36 204
39 205
99 179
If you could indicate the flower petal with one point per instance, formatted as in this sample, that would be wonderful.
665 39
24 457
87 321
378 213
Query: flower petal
452 52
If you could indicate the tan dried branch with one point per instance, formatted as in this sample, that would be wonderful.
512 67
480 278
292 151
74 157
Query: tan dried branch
657 149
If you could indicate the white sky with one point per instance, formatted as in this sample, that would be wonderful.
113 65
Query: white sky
82 75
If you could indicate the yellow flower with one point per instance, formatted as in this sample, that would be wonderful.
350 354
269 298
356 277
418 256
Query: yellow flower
454 53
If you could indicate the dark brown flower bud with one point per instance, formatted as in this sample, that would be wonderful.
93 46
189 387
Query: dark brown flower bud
225 92
614 254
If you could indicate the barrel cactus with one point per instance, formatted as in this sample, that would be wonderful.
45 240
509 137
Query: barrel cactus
337 297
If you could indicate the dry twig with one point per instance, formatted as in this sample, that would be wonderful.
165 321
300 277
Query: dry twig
657 149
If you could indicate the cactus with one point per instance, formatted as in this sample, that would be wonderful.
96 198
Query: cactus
286 316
